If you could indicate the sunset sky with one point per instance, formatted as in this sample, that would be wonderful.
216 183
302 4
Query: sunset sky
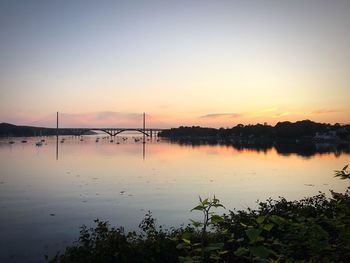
208 63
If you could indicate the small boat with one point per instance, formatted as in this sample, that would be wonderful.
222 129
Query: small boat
62 141
40 143
24 141
111 141
42 140
11 142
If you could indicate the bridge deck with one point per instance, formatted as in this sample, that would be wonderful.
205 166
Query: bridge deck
112 131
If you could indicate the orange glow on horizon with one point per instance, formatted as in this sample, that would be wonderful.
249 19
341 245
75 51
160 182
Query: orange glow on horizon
168 120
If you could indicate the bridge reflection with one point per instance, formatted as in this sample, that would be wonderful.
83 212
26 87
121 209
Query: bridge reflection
143 147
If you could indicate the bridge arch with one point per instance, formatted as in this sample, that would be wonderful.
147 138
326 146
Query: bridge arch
138 130
114 132
110 131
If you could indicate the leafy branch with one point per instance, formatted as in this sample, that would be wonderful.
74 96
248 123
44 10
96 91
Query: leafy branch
209 218
343 173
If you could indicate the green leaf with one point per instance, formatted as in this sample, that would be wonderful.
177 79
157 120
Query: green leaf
185 259
226 232
260 219
186 241
268 227
180 246
253 234
214 246
186 235
260 251
196 223
205 201
215 219
198 207
241 251
215 257
244 225
218 205
277 219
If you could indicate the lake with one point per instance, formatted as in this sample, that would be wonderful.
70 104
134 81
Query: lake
46 195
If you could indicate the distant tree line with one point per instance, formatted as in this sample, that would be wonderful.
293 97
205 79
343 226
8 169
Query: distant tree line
11 130
303 147
286 129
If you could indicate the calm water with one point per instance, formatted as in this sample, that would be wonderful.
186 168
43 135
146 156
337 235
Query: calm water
44 200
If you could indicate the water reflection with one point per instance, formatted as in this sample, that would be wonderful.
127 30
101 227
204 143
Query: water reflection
47 192
57 147
300 148
97 140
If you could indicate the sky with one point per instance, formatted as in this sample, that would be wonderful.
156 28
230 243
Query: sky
207 63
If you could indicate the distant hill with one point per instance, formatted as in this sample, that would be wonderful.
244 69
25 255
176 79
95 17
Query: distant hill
11 130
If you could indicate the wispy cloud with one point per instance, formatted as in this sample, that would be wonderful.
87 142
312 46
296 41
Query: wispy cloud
325 111
163 106
220 115
281 114
102 119
269 110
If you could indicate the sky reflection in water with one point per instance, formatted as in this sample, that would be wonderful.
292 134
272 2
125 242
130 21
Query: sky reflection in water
43 201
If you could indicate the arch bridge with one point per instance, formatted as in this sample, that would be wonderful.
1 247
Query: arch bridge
110 131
